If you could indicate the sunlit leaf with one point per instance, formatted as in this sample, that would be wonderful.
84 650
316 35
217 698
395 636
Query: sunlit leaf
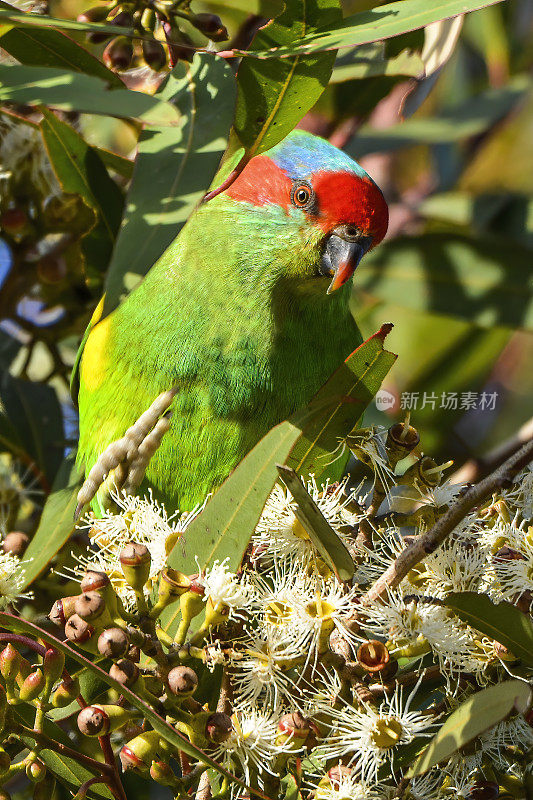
56 523
75 91
477 714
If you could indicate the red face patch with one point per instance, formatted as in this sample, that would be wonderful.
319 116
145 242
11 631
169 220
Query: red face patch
341 197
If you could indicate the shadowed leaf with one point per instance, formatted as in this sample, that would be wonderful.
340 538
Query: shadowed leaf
502 622
173 168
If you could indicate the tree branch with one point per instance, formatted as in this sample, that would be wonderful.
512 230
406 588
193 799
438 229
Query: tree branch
426 544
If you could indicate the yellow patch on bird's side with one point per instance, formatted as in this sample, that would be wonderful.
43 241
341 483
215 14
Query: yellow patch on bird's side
95 357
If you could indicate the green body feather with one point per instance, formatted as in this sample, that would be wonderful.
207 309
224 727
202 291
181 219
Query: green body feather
230 316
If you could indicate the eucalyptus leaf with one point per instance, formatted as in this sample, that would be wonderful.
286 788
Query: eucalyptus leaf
173 169
80 170
373 25
369 61
75 91
324 538
502 622
274 95
56 523
476 715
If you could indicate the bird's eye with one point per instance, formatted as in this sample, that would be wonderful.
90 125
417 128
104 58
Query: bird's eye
302 195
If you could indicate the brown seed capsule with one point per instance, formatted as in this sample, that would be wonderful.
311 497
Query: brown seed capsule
484 790
124 19
113 643
182 681
78 630
401 440
92 721
211 26
124 672
134 653
524 601
62 610
15 543
90 606
93 581
218 727
373 656
118 53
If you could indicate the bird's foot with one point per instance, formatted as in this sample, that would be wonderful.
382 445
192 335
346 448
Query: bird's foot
128 457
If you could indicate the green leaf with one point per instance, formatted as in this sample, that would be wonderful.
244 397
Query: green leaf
305 442
31 426
74 91
470 118
324 538
263 8
49 48
502 622
483 280
29 20
274 95
173 169
369 61
374 25
56 523
80 170
122 166
165 730
479 713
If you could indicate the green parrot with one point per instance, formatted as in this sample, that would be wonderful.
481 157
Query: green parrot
246 315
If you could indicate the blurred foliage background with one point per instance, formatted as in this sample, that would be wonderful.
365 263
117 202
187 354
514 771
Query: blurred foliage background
442 118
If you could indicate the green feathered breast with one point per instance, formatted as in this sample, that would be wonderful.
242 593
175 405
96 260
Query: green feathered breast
228 316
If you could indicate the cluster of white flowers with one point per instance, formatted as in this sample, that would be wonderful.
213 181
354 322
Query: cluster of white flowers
22 153
298 632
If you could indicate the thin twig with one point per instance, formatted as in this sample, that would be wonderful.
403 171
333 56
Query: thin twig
63 749
476 468
424 545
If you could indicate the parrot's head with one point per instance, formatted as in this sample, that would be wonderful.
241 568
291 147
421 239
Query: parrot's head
313 209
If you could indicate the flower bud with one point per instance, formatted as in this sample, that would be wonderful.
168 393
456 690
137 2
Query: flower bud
211 26
118 53
218 727
90 606
80 632
9 663
373 656
501 651
15 543
162 773
45 789
24 670
332 780
5 761
139 752
154 54
98 720
135 560
113 643
67 691
62 610
16 224
53 665
182 681
293 728
125 672
36 771
32 686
